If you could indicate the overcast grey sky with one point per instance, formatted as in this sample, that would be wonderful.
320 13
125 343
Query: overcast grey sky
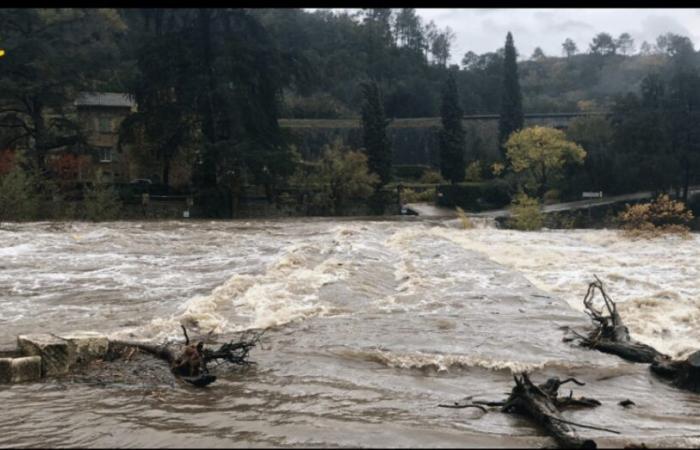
483 30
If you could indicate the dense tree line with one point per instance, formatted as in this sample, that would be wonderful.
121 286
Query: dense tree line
650 140
212 83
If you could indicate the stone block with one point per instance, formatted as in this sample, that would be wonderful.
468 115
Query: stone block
86 346
56 353
18 370
6 370
27 368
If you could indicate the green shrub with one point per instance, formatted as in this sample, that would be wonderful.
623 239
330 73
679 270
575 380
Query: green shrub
341 176
432 177
409 195
525 214
551 196
566 220
101 203
18 197
473 171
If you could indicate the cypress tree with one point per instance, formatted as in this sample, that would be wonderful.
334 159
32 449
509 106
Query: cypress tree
374 124
511 118
452 137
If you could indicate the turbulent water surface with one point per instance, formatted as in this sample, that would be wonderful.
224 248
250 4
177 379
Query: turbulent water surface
370 325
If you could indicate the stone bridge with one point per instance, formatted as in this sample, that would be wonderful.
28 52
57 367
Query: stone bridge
416 140
556 120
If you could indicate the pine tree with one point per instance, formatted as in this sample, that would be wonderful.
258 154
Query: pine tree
374 125
452 137
511 98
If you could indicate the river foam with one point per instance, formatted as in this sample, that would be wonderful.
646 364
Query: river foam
656 282
369 325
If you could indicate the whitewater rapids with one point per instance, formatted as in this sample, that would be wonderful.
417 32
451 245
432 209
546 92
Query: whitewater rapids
370 325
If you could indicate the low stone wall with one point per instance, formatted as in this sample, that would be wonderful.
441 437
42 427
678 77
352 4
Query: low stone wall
48 355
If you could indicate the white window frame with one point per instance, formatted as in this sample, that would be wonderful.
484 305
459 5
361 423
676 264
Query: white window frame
105 151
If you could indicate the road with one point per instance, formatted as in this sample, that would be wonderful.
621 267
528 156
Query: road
430 210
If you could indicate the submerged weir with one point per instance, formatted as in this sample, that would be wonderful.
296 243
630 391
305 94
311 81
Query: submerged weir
370 325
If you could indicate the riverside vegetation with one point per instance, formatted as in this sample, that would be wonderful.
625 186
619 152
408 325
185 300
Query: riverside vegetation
210 86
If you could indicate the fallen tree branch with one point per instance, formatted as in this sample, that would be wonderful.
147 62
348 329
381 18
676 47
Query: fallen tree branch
684 374
611 336
591 427
458 406
189 362
542 404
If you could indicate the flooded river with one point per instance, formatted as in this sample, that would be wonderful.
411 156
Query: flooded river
370 325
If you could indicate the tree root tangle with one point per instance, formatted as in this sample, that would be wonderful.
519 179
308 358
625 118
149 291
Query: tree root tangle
189 362
610 335
543 405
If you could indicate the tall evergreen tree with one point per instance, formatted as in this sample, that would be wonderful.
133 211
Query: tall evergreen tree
409 30
569 48
452 136
683 113
164 122
378 41
223 80
374 124
511 118
641 139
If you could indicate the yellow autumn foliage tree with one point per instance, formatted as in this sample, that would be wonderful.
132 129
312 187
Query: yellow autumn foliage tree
539 154
660 216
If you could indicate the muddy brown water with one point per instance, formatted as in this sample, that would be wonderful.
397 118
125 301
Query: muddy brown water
369 325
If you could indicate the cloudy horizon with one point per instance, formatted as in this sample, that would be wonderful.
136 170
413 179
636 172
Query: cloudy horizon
484 29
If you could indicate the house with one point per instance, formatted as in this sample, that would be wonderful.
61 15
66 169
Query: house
100 114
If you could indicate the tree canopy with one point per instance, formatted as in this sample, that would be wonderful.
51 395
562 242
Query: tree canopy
452 136
511 118
540 153
375 139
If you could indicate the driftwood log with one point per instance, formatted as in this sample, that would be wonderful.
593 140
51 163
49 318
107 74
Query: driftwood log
543 405
684 374
189 362
610 335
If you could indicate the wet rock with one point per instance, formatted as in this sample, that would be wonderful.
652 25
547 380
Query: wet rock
18 370
6 370
61 353
56 355
626 403
86 346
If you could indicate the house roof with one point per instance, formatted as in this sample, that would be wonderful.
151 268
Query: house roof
114 99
